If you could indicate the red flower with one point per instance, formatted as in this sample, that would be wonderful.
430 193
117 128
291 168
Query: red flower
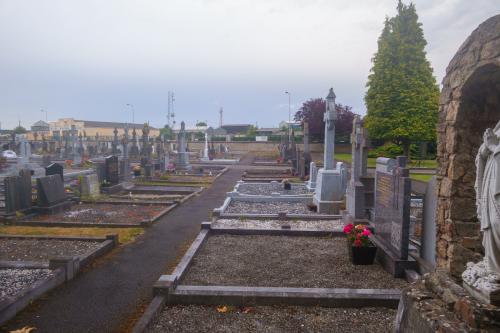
348 228
367 232
357 242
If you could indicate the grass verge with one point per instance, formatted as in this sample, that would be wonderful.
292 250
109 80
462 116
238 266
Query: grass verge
126 235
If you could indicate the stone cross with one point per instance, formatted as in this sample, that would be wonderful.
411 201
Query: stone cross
329 118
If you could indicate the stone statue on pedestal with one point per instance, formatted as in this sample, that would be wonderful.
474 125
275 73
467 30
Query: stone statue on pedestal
484 277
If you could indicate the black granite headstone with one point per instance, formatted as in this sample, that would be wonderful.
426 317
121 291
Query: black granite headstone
112 172
392 204
55 169
50 191
18 192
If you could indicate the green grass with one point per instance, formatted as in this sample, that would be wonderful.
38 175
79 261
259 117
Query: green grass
421 177
125 235
432 164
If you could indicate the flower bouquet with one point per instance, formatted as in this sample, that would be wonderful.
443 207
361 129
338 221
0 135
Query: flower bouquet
286 184
361 249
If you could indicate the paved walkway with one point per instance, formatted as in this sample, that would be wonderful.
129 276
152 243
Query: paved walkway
108 298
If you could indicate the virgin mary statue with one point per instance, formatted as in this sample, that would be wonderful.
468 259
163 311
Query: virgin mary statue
488 196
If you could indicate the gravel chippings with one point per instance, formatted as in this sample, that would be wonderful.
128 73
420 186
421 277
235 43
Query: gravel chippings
268 188
12 249
103 213
326 225
244 207
283 261
275 319
12 281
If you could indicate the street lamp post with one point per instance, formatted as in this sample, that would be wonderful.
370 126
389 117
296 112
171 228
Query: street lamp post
42 111
133 112
289 117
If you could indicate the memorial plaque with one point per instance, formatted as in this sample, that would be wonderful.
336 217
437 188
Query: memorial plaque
392 204
55 169
112 174
50 190
90 185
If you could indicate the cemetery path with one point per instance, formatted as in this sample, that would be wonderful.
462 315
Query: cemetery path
111 295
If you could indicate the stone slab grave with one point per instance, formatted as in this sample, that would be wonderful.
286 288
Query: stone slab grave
55 169
89 186
251 272
51 197
273 188
107 214
18 192
392 214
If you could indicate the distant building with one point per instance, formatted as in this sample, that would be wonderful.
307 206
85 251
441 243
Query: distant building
268 131
236 129
40 127
90 128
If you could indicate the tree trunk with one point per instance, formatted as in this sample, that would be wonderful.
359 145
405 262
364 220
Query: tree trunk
406 149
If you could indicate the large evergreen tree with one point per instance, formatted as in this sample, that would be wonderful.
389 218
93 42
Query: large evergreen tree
402 96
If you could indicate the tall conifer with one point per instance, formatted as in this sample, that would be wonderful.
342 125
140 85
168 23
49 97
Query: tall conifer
402 96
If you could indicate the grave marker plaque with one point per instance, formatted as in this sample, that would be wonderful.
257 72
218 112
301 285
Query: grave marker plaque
55 169
50 191
18 192
112 174
392 204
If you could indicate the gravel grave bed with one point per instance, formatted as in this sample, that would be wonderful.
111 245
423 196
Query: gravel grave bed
275 319
12 281
103 213
328 225
144 197
246 207
17 249
268 188
283 261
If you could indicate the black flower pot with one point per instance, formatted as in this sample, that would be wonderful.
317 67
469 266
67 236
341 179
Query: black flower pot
287 186
137 173
362 255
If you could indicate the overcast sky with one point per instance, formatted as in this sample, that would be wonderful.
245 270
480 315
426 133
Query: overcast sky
87 59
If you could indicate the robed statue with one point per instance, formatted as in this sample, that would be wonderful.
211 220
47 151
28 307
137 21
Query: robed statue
488 196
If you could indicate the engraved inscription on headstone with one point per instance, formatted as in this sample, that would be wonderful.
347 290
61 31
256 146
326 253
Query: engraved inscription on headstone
392 204
112 174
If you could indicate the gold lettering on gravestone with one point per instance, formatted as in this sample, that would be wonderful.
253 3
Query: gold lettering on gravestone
384 190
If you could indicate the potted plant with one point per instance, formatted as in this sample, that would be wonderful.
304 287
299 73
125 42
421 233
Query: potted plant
361 249
286 184
137 170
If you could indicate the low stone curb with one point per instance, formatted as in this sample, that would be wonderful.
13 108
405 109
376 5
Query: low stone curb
160 214
63 268
125 202
244 296
274 232
277 216
10 306
149 316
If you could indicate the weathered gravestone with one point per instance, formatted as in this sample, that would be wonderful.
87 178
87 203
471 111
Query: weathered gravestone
358 190
18 192
50 194
428 248
313 174
55 169
90 185
111 173
392 214
148 170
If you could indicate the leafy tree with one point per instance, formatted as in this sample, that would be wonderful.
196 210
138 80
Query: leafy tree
20 130
252 131
402 96
201 124
167 132
313 110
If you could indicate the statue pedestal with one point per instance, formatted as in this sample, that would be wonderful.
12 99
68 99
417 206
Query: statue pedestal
183 161
330 190
481 283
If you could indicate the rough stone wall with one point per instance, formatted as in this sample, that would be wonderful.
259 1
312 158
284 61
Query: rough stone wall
469 104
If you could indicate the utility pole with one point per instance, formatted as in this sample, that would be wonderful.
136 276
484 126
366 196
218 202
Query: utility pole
221 111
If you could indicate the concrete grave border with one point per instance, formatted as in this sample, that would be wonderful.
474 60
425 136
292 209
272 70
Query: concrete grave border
168 291
84 224
237 194
220 212
63 269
